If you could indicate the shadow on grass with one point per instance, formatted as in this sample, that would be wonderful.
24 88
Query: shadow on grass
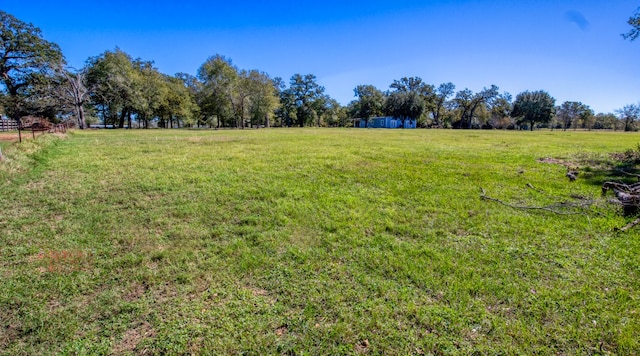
616 167
619 168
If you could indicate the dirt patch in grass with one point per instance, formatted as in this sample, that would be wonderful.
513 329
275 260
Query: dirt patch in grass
282 331
9 137
258 291
262 293
26 135
551 160
132 338
362 347
8 334
135 292
627 156
165 293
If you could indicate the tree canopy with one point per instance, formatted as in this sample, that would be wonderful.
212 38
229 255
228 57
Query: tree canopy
26 60
73 90
634 22
370 101
305 96
629 114
468 104
438 102
570 112
533 107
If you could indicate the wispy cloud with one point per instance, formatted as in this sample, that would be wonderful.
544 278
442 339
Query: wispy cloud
577 18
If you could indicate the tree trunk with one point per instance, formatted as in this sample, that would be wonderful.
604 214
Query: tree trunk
104 116
123 115
81 119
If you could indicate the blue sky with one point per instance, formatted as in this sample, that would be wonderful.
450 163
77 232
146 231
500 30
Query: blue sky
572 49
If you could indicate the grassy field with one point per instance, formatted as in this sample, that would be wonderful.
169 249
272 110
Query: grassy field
314 241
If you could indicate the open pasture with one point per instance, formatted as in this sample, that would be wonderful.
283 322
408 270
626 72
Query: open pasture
314 241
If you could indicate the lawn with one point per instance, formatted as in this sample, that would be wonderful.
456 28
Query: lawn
314 241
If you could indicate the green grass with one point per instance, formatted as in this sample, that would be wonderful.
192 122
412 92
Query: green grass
3 147
313 241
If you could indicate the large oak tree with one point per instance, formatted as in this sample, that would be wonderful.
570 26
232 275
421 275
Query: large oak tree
533 107
370 101
629 114
26 60
306 96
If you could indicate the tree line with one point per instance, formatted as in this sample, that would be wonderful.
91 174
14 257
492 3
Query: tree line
116 90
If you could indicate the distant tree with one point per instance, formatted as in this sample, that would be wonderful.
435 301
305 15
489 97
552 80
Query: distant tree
334 114
413 97
240 95
462 103
285 113
606 121
39 98
629 114
329 112
26 60
500 111
587 118
306 96
193 87
370 101
438 102
263 99
177 101
570 112
113 77
352 110
220 78
411 84
533 107
151 91
634 22
404 105
191 82
74 90
468 103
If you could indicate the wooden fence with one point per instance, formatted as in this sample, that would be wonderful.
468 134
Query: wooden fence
8 125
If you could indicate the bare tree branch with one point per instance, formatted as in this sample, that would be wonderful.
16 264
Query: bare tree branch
630 225
554 208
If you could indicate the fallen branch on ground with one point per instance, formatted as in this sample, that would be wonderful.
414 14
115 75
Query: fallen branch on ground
630 225
558 208
628 196
630 174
